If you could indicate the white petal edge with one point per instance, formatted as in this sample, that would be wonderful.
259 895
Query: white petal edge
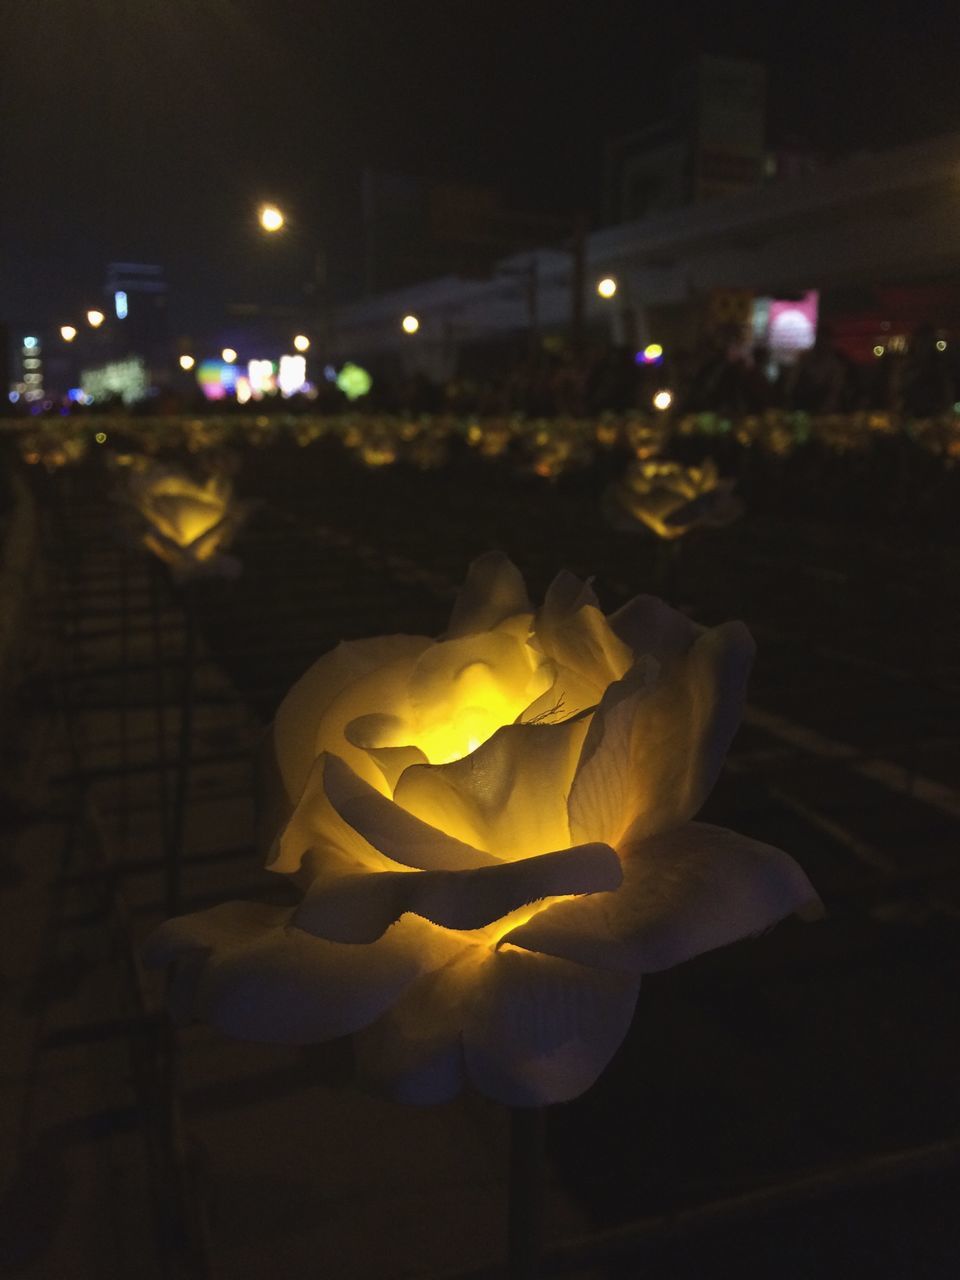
493 591
246 969
684 892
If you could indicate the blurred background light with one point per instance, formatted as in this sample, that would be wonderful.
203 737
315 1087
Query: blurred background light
271 218
354 381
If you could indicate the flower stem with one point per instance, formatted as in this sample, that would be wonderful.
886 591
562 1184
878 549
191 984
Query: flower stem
527 1125
182 779
667 570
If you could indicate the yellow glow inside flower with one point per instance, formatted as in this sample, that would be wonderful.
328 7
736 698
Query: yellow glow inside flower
477 708
183 511
493 933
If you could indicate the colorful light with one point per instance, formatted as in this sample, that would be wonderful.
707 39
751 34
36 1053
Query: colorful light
354 381
216 379
120 304
651 354
607 287
410 324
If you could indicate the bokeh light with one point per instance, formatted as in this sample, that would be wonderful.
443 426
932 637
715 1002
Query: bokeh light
271 218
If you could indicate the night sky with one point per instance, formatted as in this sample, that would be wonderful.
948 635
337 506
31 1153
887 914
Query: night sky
148 129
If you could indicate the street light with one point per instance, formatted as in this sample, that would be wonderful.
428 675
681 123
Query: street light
607 287
271 218
229 355
67 332
187 363
95 318
301 342
410 324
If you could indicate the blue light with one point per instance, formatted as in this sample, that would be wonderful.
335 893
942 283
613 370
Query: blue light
30 343
13 397
120 304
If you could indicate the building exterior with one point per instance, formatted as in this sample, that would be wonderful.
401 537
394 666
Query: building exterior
886 218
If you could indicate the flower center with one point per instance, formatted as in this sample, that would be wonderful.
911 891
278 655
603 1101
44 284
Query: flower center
476 703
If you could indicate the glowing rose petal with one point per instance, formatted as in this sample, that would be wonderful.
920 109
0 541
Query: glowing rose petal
684 892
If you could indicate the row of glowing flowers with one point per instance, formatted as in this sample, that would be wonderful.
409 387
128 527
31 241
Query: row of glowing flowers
189 517
548 445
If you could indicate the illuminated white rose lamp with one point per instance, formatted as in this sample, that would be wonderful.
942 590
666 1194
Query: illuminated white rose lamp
493 833
186 522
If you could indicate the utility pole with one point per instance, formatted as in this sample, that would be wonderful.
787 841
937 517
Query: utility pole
578 280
